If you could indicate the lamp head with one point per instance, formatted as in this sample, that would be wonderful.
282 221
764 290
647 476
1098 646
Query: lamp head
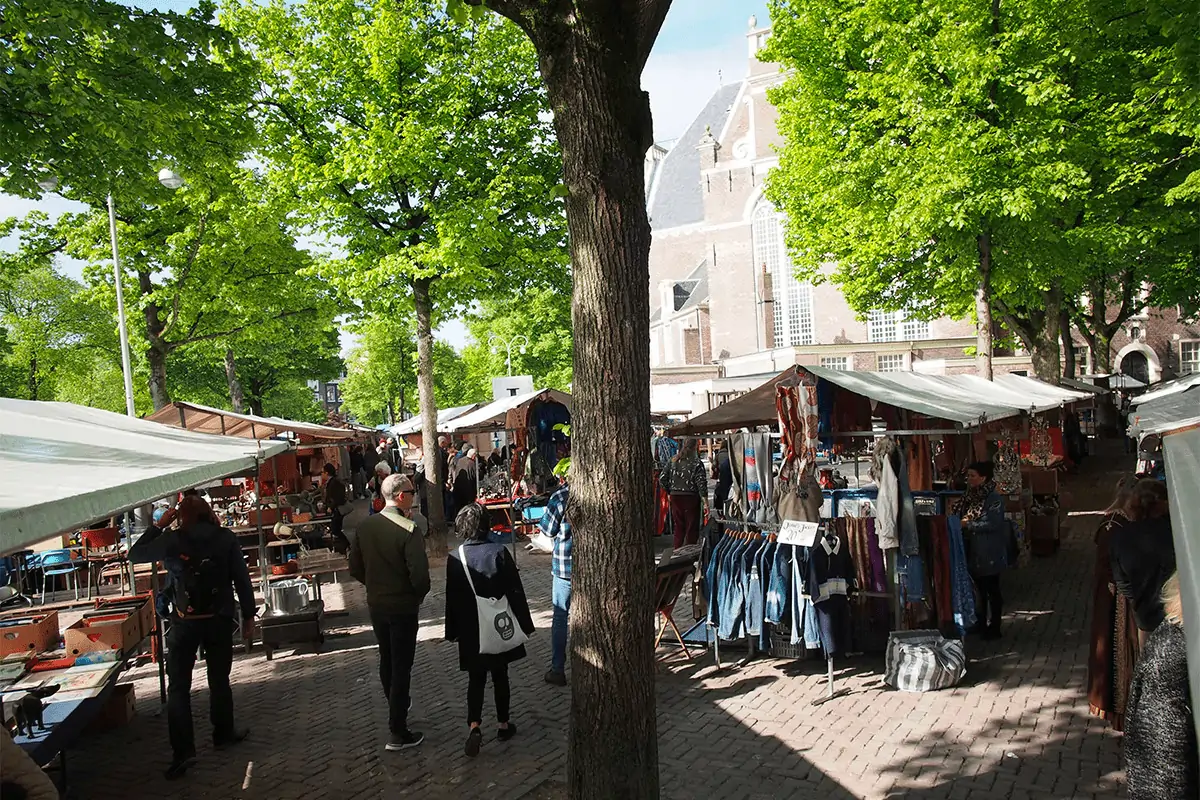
168 178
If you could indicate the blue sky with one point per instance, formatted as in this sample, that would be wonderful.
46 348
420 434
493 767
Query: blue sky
702 44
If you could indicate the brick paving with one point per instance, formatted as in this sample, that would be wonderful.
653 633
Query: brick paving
1016 728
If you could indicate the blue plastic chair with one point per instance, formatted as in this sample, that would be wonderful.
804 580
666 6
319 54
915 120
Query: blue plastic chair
58 562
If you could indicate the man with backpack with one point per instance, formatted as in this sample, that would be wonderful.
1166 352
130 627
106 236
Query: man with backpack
204 564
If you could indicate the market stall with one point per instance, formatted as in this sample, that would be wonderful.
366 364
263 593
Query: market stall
61 467
904 550
410 432
1173 418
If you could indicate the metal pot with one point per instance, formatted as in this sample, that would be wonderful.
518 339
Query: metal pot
287 597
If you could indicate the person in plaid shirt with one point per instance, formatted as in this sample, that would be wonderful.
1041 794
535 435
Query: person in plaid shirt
555 525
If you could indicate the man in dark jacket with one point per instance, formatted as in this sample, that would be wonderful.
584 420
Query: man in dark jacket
388 557
204 563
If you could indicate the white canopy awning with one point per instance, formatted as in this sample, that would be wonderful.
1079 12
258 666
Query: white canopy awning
203 419
63 466
491 417
965 400
445 415
1167 389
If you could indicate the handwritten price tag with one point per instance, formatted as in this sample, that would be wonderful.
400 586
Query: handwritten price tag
803 534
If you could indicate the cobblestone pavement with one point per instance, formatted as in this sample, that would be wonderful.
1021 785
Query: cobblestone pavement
1017 727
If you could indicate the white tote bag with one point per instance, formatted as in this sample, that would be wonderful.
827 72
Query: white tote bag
498 630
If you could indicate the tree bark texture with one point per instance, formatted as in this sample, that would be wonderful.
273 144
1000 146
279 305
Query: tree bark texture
983 309
237 398
33 378
437 541
1039 331
592 69
1070 365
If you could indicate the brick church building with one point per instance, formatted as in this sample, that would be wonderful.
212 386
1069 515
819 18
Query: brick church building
719 327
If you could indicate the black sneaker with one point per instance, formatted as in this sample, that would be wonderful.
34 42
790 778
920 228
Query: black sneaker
229 740
504 734
403 741
555 678
179 767
474 742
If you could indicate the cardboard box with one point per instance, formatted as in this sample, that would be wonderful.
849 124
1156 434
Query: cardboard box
140 606
120 632
118 711
36 637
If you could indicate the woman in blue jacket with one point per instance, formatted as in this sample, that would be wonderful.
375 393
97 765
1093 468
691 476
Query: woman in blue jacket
985 530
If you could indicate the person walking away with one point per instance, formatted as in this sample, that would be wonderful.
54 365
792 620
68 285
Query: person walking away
388 557
557 526
358 472
335 500
723 474
1143 554
687 481
1114 639
204 564
382 470
466 480
1160 735
985 529
481 569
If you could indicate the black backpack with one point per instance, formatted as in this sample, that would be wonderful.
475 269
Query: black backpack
197 589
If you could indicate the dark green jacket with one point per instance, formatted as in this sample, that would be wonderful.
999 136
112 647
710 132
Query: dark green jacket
388 557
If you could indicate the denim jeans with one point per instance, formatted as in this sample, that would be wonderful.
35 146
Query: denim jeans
560 597
777 587
712 576
731 593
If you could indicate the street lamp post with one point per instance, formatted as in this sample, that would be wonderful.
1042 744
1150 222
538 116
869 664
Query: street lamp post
493 340
170 180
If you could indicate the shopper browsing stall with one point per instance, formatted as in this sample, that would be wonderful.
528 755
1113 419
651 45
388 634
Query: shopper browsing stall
205 565
687 481
388 557
557 526
480 569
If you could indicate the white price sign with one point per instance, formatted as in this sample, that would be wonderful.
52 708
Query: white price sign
803 534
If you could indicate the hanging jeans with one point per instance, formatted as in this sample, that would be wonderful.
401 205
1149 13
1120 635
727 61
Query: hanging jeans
733 598
960 578
776 609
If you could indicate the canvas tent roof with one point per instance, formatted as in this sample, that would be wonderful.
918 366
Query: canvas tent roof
1083 386
63 466
491 417
964 400
1168 388
1169 412
445 415
203 419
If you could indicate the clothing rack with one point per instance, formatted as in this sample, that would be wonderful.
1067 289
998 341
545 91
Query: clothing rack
767 528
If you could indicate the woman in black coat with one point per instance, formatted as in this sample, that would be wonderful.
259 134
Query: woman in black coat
494 574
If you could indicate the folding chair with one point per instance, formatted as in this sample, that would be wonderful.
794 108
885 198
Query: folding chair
102 548
669 583
58 562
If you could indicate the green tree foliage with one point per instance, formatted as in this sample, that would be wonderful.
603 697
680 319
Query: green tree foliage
424 145
543 316
944 152
93 88
214 262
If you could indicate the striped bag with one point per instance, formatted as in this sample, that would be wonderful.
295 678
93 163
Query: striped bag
923 661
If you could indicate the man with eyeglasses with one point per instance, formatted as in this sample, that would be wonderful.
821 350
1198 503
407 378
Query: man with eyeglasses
388 557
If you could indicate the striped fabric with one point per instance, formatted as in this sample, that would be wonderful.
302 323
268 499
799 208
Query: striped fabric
923 661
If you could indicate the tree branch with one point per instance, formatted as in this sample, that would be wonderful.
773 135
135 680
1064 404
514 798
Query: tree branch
236 329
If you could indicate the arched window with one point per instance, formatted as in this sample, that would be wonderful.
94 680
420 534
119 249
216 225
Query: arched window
793 299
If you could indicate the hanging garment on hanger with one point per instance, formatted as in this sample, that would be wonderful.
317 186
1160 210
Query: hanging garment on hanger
758 477
736 445
878 565
779 589
908 510
960 577
920 464
887 500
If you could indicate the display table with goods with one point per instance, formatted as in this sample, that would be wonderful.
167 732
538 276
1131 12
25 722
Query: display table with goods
57 685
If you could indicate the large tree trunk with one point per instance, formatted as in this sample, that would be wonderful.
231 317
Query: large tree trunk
983 309
1043 338
237 398
158 377
603 122
1068 343
437 541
